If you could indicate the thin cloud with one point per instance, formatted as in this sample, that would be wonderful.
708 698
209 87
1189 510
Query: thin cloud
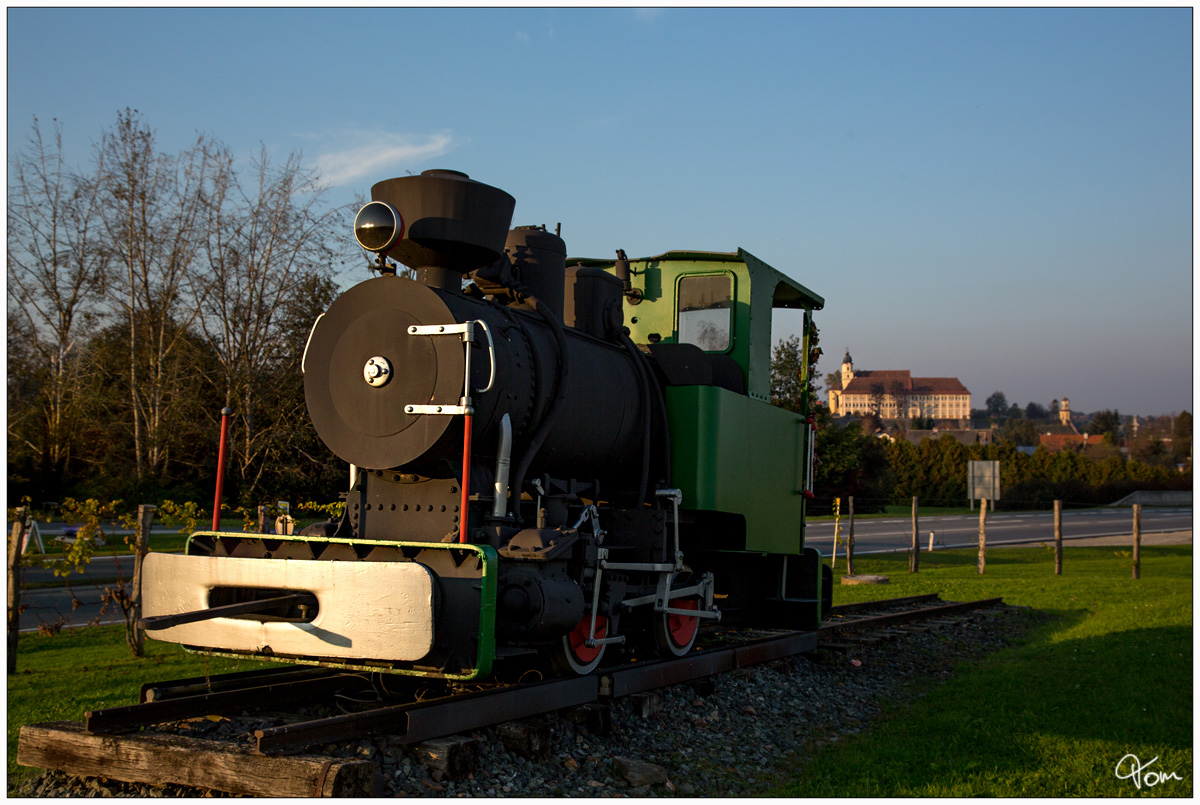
376 152
523 37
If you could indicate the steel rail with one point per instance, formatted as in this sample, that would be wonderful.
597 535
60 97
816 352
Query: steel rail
843 609
175 688
130 717
421 721
897 618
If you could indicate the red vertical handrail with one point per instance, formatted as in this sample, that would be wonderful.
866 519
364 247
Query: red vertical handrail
216 524
468 420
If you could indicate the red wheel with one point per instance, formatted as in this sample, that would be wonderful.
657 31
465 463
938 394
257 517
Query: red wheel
577 656
676 634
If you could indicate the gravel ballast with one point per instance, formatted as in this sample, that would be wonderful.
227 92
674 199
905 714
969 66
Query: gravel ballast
736 734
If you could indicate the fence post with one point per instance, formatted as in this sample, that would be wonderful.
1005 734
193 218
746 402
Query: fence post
837 529
1058 537
262 520
14 585
850 540
1137 540
145 518
983 504
914 556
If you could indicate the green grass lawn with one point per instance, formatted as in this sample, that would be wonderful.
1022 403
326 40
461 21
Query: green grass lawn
58 678
1110 674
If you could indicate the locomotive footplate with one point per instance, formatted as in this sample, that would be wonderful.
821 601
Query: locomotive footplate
417 608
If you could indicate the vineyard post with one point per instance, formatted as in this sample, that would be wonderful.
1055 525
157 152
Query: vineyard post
145 517
983 504
914 556
837 529
1058 537
20 523
1137 540
850 540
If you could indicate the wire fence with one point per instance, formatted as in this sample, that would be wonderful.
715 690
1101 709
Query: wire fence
822 505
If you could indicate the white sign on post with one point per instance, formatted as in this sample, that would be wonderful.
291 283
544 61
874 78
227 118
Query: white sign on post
983 480
32 534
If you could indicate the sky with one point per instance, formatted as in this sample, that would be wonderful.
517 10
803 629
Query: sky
999 195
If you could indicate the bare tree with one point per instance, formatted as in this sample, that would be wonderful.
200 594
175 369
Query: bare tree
902 395
266 240
877 398
56 271
153 206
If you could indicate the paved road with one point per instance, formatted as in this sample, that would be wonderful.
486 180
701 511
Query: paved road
49 605
882 535
101 568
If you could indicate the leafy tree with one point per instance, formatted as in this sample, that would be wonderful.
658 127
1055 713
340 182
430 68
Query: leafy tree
997 405
1107 423
187 444
1150 449
303 466
852 462
1020 432
1181 441
1035 411
1015 412
871 422
787 370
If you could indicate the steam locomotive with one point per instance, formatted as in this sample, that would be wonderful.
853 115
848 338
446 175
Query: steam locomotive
548 457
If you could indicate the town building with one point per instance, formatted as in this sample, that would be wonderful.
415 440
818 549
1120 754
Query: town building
1057 442
896 394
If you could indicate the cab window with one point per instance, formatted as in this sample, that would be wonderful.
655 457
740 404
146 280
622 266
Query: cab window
706 312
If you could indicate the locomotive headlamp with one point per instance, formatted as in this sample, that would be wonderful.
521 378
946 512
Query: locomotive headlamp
378 226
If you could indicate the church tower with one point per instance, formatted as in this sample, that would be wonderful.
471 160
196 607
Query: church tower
847 369
1064 412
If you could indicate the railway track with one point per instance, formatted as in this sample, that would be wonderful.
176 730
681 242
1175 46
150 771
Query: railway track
155 741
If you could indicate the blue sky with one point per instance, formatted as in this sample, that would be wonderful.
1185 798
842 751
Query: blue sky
1001 195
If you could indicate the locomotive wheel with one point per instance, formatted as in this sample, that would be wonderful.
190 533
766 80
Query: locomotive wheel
676 634
577 657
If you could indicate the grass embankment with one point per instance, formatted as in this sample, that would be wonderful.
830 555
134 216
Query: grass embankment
58 678
1109 675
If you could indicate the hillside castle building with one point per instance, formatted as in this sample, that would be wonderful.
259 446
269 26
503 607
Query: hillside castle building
896 394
